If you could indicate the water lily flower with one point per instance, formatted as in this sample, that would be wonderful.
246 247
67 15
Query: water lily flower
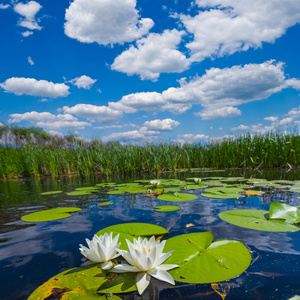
155 183
102 249
197 180
145 257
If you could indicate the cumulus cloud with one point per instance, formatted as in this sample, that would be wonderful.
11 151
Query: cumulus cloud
154 54
189 137
55 133
30 61
241 128
105 22
272 119
294 112
28 12
286 121
4 6
219 113
32 87
223 27
103 114
116 126
83 82
218 91
27 33
162 125
48 120
134 135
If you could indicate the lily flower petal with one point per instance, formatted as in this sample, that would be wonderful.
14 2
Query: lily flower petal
142 281
162 275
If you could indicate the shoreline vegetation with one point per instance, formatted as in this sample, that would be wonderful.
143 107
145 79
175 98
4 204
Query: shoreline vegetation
32 152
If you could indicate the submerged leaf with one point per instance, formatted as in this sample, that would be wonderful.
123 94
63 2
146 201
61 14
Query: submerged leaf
222 289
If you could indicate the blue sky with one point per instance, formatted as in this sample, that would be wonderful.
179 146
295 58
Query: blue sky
159 70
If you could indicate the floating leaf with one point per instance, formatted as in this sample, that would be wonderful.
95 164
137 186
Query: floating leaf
133 230
219 195
291 214
166 208
224 190
115 192
189 225
105 203
87 188
82 283
247 192
79 193
52 193
255 219
50 214
177 197
203 261
195 186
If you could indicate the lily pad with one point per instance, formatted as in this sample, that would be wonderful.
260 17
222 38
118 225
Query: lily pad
291 214
50 214
220 195
255 219
87 188
79 193
203 261
84 283
105 203
255 193
130 231
52 193
224 190
164 208
177 197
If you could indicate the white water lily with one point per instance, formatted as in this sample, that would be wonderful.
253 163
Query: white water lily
145 257
197 180
155 183
102 249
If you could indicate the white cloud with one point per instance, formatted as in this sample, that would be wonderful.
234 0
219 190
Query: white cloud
55 133
124 136
191 138
219 113
30 61
294 112
286 121
227 26
84 82
27 33
218 91
116 126
32 87
154 54
105 22
241 128
272 119
48 120
162 125
103 114
4 6
40 117
63 125
28 11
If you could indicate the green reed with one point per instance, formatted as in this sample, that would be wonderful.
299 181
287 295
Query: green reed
70 155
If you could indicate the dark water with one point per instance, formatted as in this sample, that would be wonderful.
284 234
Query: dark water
31 253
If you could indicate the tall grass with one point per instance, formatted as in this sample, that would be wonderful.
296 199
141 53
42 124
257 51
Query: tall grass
70 155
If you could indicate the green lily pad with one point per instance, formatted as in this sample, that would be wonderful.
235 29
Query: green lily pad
130 231
295 189
224 190
79 193
105 203
203 261
255 219
164 208
84 283
220 195
195 186
87 188
116 192
50 214
291 214
52 193
177 197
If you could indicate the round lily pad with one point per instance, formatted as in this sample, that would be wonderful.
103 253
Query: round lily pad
203 261
87 282
52 193
255 219
164 208
87 188
50 214
79 193
177 197
130 231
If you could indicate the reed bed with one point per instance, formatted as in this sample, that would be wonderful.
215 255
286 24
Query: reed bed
37 154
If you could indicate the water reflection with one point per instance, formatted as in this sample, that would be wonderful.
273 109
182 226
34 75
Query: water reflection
31 253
